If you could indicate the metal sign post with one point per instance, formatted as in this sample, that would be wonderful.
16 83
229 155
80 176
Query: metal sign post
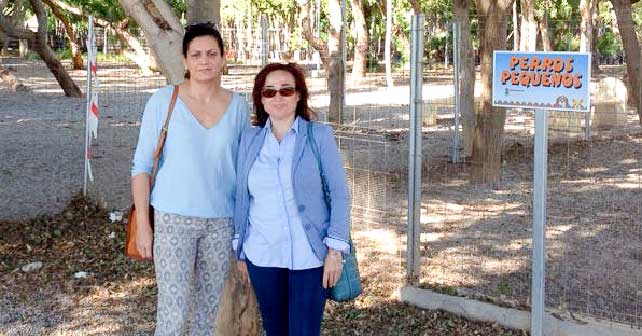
415 157
539 221
543 81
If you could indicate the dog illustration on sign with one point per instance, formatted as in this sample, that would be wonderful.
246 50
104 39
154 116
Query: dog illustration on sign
562 101
578 103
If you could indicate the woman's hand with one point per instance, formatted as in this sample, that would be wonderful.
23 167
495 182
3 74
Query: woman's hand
332 267
242 267
144 237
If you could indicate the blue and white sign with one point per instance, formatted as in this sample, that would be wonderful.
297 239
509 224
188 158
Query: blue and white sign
542 80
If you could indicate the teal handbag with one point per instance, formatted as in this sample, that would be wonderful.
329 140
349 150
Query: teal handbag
349 285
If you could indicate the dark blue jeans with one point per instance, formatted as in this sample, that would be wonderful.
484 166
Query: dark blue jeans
291 302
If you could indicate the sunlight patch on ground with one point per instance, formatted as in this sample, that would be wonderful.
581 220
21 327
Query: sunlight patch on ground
628 161
383 240
628 185
504 265
592 170
437 219
557 230
516 245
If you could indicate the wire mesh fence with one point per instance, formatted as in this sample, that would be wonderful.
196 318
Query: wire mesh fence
476 238
369 136
42 135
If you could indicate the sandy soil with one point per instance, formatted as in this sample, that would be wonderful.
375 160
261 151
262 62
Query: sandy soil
475 240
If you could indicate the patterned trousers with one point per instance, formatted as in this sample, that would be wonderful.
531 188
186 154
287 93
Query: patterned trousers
191 258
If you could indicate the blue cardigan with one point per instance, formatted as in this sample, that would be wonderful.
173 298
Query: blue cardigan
319 222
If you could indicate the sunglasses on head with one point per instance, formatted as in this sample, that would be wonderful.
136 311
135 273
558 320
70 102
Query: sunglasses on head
284 92
202 24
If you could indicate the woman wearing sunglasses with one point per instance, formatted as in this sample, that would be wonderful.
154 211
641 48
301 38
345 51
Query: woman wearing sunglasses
193 194
290 242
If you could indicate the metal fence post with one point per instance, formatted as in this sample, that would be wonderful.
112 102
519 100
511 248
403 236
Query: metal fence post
105 40
343 55
264 42
415 157
90 49
587 123
539 222
318 33
456 64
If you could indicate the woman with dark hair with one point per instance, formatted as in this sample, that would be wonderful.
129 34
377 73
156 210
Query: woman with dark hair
193 193
287 237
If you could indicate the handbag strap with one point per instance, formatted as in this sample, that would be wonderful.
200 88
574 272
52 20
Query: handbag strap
161 139
326 189
315 151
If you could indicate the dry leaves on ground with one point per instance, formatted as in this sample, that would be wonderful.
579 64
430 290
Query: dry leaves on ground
117 296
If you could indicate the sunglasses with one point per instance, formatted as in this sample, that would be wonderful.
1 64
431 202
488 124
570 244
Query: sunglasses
203 24
284 92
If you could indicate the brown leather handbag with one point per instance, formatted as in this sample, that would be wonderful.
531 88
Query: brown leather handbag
131 249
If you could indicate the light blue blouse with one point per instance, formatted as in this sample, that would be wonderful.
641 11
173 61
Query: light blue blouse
325 225
276 234
197 170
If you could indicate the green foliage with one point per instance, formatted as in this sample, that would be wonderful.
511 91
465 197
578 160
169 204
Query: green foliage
106 9
33 56
439 40
110 57
180 7
637 18
438 11
607 19
63 54
609 46
504 288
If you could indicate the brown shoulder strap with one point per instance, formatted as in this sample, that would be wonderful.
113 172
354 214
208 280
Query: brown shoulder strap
161 139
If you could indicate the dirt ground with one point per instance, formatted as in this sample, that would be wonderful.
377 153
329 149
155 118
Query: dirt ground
118 296
475 240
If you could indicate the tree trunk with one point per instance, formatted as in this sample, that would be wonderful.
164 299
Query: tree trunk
631 49
388 43
515 28
336 73
39 41
586 26
416 6
144 61
163 32
528 34
489 129
402 34
138 56
595 55
76 58
314 41
238 24
4 44
249 42
203 11
467 77
546 38
361 38
277 39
